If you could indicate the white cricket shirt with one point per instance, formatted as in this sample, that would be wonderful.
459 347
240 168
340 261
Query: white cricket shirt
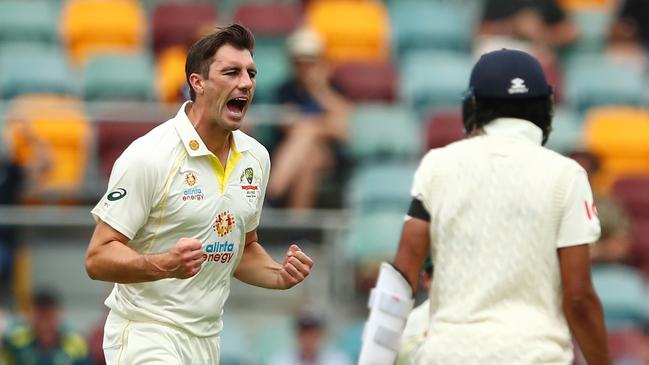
167 185
500 206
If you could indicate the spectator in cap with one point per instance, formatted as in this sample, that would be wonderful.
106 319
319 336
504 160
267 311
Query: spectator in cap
43 339
314 125
310 336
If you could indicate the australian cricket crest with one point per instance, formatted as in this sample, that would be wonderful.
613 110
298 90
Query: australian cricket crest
250 184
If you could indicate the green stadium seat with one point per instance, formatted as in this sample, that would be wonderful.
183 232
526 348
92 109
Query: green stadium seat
34 68
567 131
273 69
28 21
374 237
380 186
429 25
384 131
593 26
432 78
623 294
591 81
273 337
348 339
234 349
118 77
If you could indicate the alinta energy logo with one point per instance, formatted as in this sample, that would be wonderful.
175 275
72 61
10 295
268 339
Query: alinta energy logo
219 252
193 191
223 224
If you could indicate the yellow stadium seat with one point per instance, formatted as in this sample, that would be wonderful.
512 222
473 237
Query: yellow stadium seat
94 26
50 135
353 30
620 136
578 5
170 71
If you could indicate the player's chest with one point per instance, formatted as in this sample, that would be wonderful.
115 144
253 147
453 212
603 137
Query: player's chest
199 193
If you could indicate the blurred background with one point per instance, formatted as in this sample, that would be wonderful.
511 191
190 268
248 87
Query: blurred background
350 94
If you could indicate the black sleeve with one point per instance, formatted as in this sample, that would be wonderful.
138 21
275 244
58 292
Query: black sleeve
417 210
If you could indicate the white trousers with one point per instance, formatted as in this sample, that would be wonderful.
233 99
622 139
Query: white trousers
149 343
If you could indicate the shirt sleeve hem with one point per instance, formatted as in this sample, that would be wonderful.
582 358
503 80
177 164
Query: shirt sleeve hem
577 242
98 214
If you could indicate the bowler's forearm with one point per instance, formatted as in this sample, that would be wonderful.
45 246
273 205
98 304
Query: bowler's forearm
258 268
118 263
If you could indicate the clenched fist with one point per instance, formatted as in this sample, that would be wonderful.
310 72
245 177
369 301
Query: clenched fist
297 266
184 260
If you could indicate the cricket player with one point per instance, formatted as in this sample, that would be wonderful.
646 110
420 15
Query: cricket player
180 217
416 326
507 223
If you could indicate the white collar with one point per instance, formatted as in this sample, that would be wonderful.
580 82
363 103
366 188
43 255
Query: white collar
193 142
514 127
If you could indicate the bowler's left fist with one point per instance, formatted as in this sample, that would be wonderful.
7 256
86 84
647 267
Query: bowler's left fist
297 266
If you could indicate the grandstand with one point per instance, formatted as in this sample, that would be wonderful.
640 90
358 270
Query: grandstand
81 79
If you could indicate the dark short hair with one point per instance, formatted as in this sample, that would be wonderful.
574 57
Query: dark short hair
537 110
202 52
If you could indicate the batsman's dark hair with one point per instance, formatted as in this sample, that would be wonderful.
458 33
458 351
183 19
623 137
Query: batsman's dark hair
478 112
201 53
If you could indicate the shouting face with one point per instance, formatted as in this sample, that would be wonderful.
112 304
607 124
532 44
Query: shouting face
229 87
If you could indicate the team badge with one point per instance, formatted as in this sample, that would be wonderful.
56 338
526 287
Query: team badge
193 144
248 175
224 224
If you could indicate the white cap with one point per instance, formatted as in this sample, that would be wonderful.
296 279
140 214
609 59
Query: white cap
305 42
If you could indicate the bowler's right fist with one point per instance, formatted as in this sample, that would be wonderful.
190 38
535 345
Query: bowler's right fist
184 260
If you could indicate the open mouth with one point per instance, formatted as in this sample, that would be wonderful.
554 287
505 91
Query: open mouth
236 105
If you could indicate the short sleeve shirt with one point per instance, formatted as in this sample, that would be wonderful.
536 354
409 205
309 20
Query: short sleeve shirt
167 185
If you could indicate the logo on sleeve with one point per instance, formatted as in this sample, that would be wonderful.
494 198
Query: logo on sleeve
591 210
117 194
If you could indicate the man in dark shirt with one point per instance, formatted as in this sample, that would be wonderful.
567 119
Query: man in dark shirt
316 123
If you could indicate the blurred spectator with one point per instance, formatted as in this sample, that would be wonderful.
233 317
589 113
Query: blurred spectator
315 126
11 182
614 244
417 324
43 339
540 22
635 15
96 342
539 27
628 38
310 333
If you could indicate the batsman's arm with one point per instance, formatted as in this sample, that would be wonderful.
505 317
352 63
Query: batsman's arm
581 305
414 245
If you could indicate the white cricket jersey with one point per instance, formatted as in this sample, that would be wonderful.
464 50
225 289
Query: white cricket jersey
414 333
167 185
501 205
